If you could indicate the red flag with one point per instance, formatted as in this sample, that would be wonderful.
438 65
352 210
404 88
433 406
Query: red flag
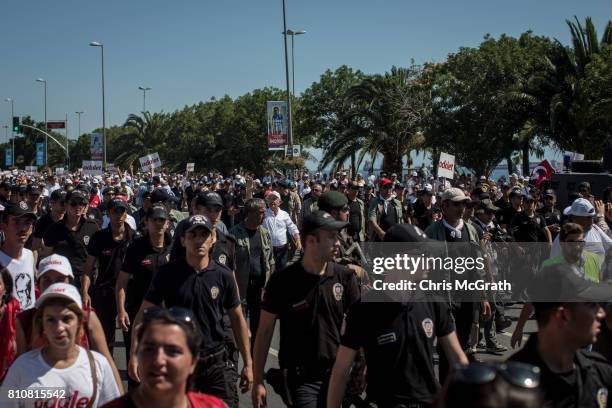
541 172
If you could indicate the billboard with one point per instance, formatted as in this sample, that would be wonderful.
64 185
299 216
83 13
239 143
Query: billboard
8 157
278 125
97 146
40 154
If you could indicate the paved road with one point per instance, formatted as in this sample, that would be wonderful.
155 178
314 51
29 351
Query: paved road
275 401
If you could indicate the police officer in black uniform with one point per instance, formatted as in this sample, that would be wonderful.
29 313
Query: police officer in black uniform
551 215
569 318
209 289
398 341
310 298
70 236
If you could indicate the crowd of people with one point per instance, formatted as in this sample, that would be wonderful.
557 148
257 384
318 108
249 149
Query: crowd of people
196 270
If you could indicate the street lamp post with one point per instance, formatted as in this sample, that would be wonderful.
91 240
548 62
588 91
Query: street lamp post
97 44
12 132
44 81
290 127
79 122
144 90
293 34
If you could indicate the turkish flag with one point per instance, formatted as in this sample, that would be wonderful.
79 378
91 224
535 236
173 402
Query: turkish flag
541 172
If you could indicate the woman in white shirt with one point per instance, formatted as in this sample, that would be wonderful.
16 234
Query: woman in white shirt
61 373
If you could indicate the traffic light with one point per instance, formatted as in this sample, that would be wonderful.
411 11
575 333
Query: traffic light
16 127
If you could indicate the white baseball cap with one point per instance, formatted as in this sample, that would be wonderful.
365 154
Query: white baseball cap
57 263
61 290
581 207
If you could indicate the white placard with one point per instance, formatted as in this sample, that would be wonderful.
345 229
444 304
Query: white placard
92 167
59 171
31 170
294 152
446 166
150 161
190 166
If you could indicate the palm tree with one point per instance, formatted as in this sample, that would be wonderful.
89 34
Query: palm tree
385 119
149 132
573 119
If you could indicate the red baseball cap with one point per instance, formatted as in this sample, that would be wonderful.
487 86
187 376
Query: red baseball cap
385 182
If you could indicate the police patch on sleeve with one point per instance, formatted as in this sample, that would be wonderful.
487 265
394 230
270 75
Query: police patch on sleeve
222 259
214 292
428 327
338 290
86 239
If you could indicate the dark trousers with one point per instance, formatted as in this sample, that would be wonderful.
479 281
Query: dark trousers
253 308
281 255
218 375
465 313
308 391
103 301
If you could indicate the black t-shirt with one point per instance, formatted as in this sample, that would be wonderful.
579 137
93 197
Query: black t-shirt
551 217
355 214
256 255
42 225
71 244
311 309
142 261
110 254
506 215
528 229
589 382
398 340
96 215
423 214
207 293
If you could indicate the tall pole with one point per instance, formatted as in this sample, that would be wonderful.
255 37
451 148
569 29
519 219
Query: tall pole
103 108
290 127
12 131
67 145
293 63
79 122
144 100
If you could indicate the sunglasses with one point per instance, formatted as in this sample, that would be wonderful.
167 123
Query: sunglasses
77 204
176 314
517 374
459 203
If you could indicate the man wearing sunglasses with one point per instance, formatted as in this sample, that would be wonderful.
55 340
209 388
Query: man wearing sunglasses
107 249
384 212
70 236
311 202
208 288
568 314
464 242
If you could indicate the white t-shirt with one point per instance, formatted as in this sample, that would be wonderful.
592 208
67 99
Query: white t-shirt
30 371
22 271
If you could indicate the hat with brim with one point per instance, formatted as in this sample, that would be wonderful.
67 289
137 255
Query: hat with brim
486 206
321 220
20 209
455 195
56 263
60 291
157 212
198 221
581 207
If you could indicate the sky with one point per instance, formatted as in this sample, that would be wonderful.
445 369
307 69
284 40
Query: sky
191 50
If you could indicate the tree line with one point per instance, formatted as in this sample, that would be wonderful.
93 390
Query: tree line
483 104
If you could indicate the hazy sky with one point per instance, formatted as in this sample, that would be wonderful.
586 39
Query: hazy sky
188 51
